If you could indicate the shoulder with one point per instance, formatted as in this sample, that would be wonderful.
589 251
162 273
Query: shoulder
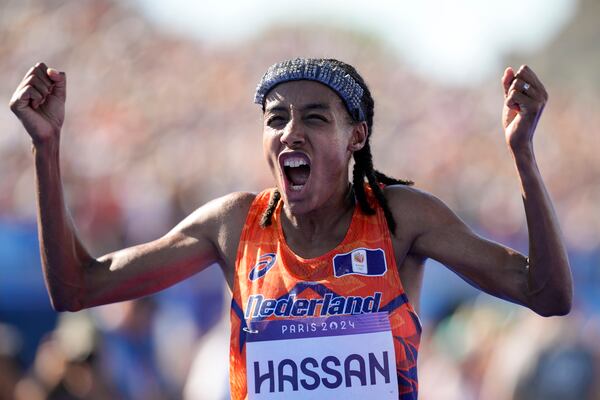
403 198
416 208
220 222
232 208
402 194
234 204
226 212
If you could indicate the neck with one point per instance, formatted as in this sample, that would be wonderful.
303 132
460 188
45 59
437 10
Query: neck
331 219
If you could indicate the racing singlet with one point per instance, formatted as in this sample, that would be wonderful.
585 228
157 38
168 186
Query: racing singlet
338 326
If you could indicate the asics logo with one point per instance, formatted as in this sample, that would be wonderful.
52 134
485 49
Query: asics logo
264 264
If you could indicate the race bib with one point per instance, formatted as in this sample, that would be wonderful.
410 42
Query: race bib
336 357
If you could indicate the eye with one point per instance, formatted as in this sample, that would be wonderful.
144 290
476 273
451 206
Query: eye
275 120
317 117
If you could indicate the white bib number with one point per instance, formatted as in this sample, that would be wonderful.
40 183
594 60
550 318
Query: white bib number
337 357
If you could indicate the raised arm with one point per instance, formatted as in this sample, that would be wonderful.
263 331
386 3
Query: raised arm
550 285
74 278
541 281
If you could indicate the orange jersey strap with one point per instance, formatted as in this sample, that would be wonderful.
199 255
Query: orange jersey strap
359 276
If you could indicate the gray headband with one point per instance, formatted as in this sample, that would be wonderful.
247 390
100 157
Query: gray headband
311 69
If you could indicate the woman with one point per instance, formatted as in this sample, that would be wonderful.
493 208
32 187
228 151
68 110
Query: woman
321 270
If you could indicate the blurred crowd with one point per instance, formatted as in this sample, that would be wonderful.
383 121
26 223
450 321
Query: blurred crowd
158 124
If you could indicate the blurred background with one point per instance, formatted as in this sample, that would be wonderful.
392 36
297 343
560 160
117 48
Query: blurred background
160 120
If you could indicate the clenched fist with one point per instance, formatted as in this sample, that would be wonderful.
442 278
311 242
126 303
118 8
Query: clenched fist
39 102
524 99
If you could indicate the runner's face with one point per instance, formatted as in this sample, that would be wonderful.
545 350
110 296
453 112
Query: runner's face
308 140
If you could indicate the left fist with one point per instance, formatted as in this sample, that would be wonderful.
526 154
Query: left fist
524 101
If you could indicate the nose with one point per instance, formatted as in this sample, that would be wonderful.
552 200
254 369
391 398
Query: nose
293 134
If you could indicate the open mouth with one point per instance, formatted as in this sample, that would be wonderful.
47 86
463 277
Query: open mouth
296 168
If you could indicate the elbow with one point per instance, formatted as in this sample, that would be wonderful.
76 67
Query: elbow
553 300
63 308
558 306
65 303
555 311
67 294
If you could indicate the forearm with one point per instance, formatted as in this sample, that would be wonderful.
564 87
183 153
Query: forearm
63 255
550 287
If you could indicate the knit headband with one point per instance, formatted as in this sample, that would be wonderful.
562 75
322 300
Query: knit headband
319 70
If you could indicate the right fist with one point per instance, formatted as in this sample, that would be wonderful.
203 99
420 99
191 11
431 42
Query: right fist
39 102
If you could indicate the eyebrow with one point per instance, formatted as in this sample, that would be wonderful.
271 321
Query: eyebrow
316 106
308 107
275 109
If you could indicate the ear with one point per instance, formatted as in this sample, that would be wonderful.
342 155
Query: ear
359 136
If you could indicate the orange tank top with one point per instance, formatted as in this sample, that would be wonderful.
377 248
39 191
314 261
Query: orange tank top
358 276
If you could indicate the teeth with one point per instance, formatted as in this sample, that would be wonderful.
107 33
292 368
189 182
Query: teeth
297 188
294 162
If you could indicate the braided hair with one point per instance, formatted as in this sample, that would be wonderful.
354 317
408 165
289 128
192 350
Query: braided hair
363 162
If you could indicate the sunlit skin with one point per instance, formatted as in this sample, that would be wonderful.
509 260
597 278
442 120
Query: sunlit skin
308 117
